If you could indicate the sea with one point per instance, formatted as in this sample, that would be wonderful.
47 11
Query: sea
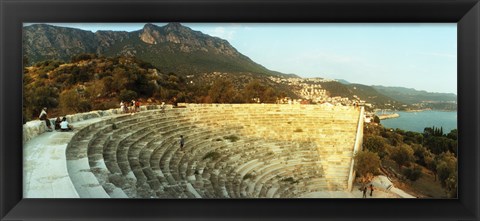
417 121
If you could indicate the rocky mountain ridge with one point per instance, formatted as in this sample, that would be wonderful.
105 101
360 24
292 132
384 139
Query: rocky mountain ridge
171 48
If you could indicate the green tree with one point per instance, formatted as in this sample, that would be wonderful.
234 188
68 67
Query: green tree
402 155
37 96
127 95
222 91
412 173
420 152
366 162
72 102
446 167
376 119
431 163
439 145
255 89
394 138
410 138
451 185
376 144
453 134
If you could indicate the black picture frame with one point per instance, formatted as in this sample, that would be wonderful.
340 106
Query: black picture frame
466 13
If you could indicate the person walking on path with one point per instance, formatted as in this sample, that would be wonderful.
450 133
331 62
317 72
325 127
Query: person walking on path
44 116
371 190
182 142
365 192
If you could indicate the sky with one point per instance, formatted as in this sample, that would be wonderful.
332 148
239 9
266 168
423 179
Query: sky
422 56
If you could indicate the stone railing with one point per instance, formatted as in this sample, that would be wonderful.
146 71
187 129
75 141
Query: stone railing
34 128
356 148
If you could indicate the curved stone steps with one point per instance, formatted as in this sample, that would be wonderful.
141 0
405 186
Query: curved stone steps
110 148
195 149
193 143
161 170
156 150
124 138
270 171
262 167
98 166
123 176
244 151
95 133
136 162
215 167
277 178
230 159
122 151
78 166
171 146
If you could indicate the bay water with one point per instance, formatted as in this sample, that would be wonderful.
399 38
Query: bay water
417 121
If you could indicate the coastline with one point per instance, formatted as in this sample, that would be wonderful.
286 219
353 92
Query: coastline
388 116
418 121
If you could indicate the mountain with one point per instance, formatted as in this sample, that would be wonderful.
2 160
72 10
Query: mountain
46 42
170 48
343 81
412 96
364 92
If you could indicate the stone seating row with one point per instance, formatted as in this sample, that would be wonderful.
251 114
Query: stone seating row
136 148
77 161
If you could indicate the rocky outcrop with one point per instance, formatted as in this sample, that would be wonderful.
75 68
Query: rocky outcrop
43 42
172 48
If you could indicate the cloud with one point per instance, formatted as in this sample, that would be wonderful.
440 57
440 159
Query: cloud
436 54
225 33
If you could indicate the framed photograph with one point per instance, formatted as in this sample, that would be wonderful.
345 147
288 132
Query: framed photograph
158 110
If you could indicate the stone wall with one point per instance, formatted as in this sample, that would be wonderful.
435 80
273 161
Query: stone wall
34 128
332 129
357 147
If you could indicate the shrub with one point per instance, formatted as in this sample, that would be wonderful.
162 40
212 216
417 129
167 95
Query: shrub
105 105
211 155
376 119
376 144
289 180
366 162
222 91
70 101
248 176
412 173
402 155
232 138
127 95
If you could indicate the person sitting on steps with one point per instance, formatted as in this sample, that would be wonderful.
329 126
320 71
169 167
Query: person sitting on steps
64 125
57 123
43 116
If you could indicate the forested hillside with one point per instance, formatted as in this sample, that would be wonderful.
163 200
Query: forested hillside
91 82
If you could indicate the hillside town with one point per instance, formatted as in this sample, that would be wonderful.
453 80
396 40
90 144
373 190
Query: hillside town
311 91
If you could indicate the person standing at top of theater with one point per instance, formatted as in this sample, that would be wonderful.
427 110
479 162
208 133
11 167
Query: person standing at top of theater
182 142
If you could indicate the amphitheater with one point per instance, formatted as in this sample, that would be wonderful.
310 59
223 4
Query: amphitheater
231 151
